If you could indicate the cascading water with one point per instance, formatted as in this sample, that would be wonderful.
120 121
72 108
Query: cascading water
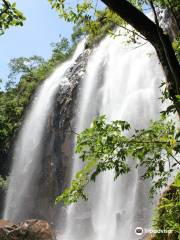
122 83
27 152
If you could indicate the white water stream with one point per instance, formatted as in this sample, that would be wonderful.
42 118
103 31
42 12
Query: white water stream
122 83
27 152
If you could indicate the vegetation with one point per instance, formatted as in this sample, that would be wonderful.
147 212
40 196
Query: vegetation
104 146
15 97
9 16
103 23
107 146
176 46
131 12
94 24
3 183
167 213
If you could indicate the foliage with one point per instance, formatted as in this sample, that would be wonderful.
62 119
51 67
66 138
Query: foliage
23 65
14 100
103 147
171 108
103 23
81 10
61 50
70 12
9 16
107 146
165 93
171 4
167 213
96 22
89 20
176 45
3 183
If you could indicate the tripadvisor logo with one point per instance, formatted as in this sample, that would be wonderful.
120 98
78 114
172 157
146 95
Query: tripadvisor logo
139 231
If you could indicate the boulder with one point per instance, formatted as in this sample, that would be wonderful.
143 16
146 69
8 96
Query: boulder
29 230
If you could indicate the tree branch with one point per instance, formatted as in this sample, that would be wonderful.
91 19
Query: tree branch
7 6
160 33
175 159
129 30
134 17
149 30
174 14
72 131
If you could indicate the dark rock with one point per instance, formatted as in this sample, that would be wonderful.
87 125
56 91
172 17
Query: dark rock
28 230
168 23
53 173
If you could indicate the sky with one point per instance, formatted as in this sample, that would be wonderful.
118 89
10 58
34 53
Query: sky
42 27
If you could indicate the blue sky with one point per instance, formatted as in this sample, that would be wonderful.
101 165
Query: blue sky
42 27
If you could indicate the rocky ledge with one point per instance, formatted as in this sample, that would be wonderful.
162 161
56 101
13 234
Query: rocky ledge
29 230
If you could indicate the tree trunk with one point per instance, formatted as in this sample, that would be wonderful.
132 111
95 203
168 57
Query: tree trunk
154 34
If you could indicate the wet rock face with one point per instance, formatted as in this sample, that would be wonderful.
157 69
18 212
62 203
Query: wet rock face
168 22
29 230
56 160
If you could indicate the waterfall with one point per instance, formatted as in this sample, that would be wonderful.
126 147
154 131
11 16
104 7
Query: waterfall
28 147
122 82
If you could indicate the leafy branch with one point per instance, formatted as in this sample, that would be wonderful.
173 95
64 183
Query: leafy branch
7 6
107 146
10 16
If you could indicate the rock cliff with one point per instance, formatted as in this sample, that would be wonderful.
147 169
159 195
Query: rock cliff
58 140
28 230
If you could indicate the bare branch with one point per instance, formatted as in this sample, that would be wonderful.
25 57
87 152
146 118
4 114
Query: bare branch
175 159
129 30
139 46
72 129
